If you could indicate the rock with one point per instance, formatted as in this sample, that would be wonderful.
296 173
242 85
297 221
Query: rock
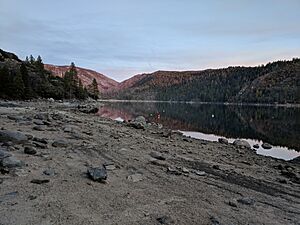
266 146
214 221
40 181
49 172
38 122
138 123
51 100
140 119
246 201
39 128
173 171
16 118
29 150
109 166
199 173
42 116
41 140
11 162
4 154
184 170
223 141
97 174
89 109
157 155
242 143
60 143
165 220
232 204
40 145
135 177
14 136
67 129
256 146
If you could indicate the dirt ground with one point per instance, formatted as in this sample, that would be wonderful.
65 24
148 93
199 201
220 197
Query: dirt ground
154 176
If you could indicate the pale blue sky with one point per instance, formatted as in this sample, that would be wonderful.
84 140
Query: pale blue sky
121 38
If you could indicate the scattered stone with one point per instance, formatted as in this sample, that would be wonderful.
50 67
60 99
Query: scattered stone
29 150
173 171
4 154
16 118
109 166
41 140
14 136
40 145
242 143
135 177
214 221
89 109
216 167
11 162
38 122
138 123
282 181
232 204
32 197
184 170
256 146
199 173
165 220
97 174
157 155
49 172
266 146
39 128
42 116
60 143
40 181
68 129
246 201
223 141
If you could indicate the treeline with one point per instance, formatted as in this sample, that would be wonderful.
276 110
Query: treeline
28 79
276 82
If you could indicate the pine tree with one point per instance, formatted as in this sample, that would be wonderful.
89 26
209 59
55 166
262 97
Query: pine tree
28 93
39 65
31 60
18 86
93 89
71 81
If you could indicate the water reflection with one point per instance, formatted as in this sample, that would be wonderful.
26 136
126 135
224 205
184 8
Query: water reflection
278 126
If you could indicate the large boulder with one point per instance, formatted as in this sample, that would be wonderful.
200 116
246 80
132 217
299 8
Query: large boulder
266 146
242 143
138 123
14 136
10 162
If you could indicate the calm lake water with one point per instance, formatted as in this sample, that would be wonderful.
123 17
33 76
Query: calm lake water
279 126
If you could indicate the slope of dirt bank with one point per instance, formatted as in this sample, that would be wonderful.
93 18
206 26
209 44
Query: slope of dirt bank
154 176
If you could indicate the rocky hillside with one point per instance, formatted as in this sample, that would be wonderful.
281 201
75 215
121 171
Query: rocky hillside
275 82
105 84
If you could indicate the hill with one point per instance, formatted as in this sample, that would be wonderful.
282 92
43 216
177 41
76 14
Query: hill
105 84
274 82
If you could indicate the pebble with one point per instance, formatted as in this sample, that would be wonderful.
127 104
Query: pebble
135 177
97 174
29 150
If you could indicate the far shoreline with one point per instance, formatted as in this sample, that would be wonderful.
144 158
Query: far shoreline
289 105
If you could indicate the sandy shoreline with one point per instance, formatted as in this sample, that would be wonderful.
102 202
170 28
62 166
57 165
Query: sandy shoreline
154 176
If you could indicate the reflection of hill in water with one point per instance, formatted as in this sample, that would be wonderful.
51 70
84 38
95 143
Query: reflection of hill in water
278 126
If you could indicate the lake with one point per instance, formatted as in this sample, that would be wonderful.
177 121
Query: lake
279 126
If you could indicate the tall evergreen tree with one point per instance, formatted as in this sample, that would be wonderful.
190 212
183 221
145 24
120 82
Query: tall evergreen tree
31 59
93 89
39 64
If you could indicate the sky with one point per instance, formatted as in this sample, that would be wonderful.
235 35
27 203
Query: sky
121 38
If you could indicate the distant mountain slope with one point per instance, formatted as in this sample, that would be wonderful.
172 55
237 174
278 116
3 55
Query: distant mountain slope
275 82
105 84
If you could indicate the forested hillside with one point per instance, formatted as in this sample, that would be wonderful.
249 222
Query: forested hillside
276 82
29 79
